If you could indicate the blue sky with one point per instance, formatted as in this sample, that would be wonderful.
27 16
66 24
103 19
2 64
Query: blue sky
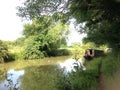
11 26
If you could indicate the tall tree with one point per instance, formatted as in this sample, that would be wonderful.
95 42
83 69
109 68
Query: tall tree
101 17
43 37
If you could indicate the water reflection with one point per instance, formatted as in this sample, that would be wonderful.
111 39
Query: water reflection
12 81
39 77
43 77
71 65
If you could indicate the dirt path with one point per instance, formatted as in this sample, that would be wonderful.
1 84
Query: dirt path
114 82
101 78
101 83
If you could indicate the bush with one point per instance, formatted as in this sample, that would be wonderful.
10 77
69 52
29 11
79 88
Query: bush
5 56
80 80
89 79
33 52
33 55
59 52
10 57
18 55
111 64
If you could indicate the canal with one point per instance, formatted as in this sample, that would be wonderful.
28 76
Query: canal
34 74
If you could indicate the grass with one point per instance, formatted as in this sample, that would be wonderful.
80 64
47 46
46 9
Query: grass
80 80
89 79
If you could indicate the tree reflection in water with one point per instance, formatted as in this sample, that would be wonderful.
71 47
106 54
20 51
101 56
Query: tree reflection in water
12 81
72 65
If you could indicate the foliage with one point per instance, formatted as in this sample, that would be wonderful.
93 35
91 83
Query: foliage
89 79
111 64
38 25
76 44
101 17
4 53
19 42
62 52
105 35
37 8
32 51
79 80
43 38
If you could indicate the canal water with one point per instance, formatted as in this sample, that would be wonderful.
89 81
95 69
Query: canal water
40 77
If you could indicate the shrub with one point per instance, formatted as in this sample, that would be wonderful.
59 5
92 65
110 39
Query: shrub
89 79
5 56
10 57
60 52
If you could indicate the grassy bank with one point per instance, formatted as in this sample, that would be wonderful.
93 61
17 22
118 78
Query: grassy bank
79 80
91 78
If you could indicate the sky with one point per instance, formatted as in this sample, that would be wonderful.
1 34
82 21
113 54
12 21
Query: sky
11 26
74 35
10 23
